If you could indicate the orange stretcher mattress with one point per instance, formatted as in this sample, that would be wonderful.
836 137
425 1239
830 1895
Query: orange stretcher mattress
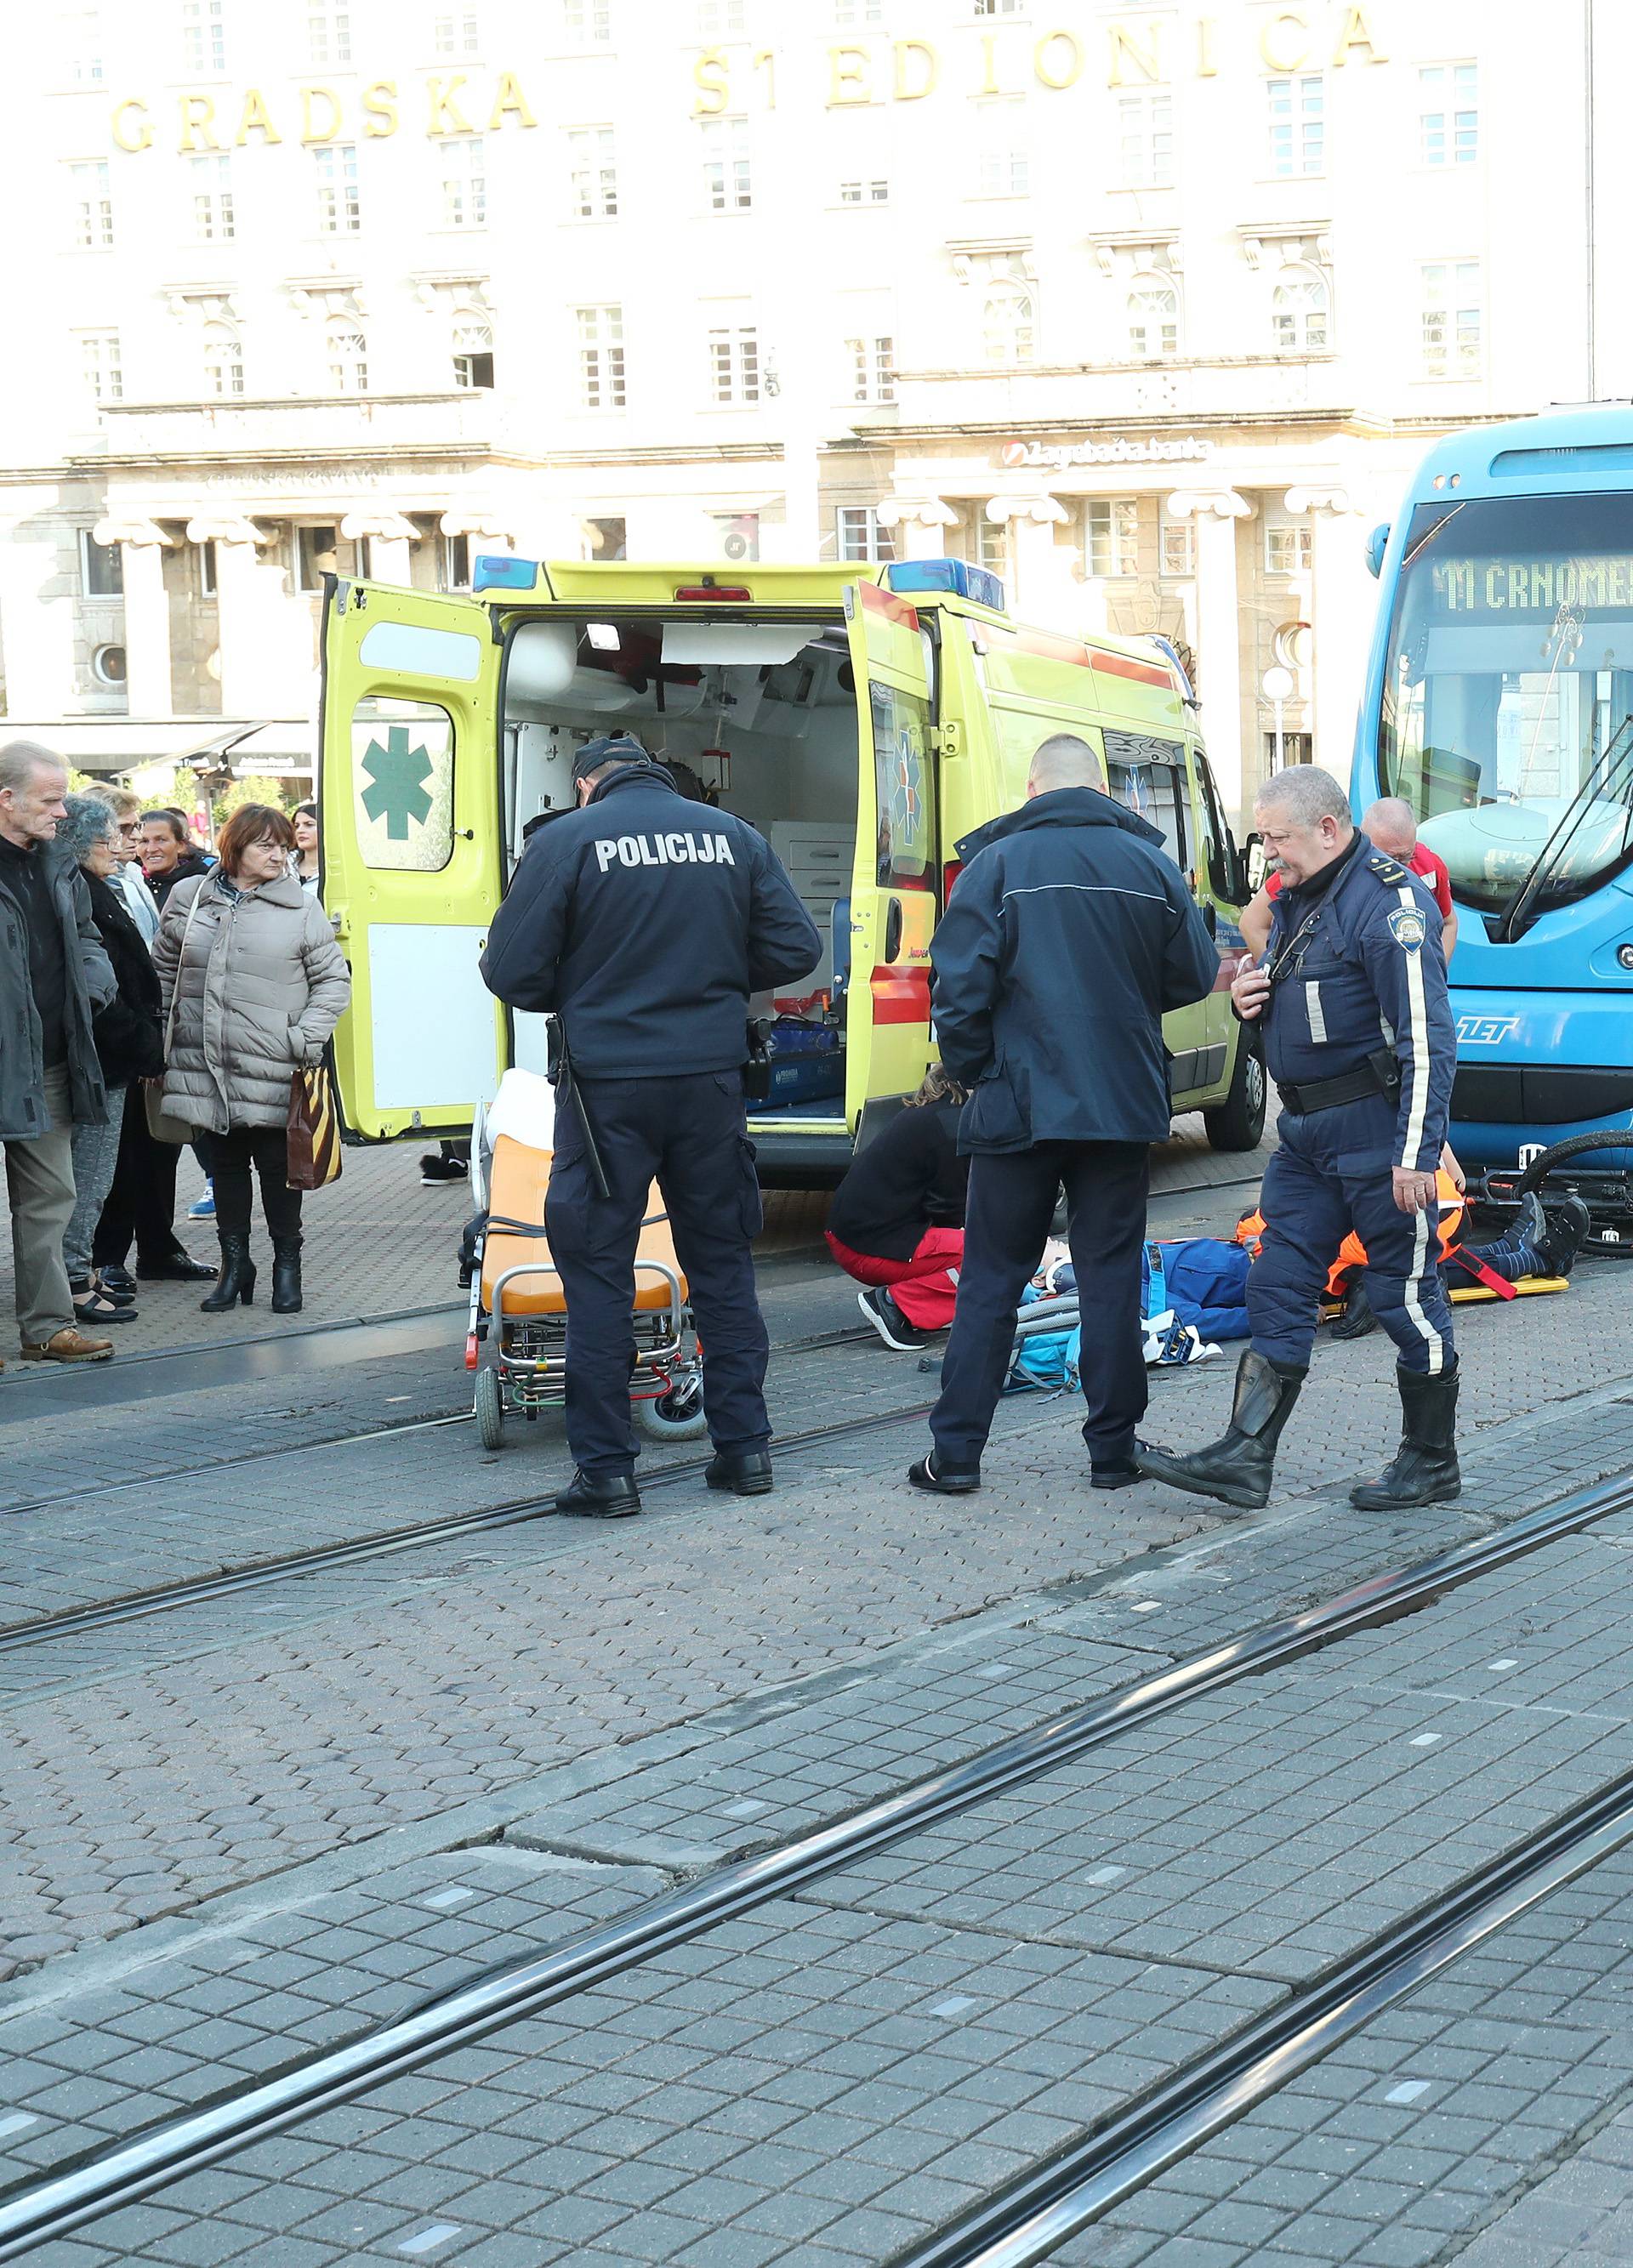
517 1183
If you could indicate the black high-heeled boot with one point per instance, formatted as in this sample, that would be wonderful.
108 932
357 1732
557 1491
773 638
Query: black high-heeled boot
286 1275
236 1281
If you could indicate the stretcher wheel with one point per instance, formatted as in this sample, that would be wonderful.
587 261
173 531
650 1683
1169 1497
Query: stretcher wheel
677 1416
490 1410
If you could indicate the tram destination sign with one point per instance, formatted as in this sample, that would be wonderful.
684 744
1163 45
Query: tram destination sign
1533 586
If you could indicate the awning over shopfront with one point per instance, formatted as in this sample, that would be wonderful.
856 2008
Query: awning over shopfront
114 745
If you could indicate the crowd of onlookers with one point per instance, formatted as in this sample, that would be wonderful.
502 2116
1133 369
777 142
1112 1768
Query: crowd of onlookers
154 996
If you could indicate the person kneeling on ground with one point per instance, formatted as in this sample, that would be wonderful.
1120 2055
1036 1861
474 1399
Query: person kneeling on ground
896 1222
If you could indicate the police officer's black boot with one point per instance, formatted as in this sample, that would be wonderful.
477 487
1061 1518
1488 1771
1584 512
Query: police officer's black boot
237 1279
1236 1468
600 1496
745 1472
1424 1467
286 1275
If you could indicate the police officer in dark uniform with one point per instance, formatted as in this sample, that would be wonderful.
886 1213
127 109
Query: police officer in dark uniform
1068 935
1360 1039
644 922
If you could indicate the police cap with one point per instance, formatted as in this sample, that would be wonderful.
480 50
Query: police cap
607 748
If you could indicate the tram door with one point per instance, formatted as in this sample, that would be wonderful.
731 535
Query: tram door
409 798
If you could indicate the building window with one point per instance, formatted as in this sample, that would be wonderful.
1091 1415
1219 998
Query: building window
593 171
211 182
206 570
1287 547
348 356
720 19
1002 166
339 213
454 32
1001 7
1297 124
865 192
606 539
727 183
1153 320
473 350
1453 319
454 564
588 23
1111 535
1295 748
328 32
1449 114
203 37
224 360
857 15
984 543
109 666
93 206
1298 313
1145 133
317 554
873 368
98 359
101 568
735 364
82 46
1008 325
1176 546
601 358
859 537
464 183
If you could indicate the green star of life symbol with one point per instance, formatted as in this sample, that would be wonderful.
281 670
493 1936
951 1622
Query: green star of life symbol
397 774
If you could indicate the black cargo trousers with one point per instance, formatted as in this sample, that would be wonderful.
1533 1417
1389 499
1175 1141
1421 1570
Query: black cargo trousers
688 1134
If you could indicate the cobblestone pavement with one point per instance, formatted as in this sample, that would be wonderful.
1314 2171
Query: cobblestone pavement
242 1829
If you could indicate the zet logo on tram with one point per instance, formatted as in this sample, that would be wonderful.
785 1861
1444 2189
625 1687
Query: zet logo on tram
1486 1031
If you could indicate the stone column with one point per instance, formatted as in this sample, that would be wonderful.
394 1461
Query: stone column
148 689
252 611
390 540
1044 591
484 526
1219 636
920 528
1343 610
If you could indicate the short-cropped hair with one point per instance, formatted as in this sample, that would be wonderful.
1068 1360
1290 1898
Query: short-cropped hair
20 759
1064 761
252 822
1305 793
90 820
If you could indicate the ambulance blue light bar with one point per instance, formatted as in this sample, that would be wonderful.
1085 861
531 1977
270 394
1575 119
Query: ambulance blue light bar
906 576
493 571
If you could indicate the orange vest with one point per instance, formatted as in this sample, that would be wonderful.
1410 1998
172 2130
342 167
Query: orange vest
1352 1252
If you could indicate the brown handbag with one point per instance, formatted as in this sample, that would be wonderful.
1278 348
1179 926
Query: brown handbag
314 1130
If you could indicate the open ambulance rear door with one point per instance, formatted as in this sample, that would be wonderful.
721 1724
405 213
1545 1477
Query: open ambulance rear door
895 882
409 801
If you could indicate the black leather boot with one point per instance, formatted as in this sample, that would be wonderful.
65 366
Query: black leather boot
286 1275
745 1472
1236 1468
1424 1467
943 1480
236 1281
600 1496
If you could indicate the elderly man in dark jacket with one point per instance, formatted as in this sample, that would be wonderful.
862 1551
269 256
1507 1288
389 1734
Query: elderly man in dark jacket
54 976
1070 933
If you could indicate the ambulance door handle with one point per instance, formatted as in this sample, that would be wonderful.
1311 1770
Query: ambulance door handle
893 928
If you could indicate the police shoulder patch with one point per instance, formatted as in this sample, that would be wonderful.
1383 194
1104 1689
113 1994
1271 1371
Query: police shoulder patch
1388 870
1408 927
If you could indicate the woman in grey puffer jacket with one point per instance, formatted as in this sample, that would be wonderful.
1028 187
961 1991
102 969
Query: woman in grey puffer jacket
258 983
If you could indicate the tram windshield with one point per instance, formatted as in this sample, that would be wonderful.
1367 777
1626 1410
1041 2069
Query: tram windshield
1507 719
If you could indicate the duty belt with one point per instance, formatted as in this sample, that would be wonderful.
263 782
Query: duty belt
1379 1074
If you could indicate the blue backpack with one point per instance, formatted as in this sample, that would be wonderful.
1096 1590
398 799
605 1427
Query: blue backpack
1203 1280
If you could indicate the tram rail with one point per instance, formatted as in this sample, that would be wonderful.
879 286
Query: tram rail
1027 2218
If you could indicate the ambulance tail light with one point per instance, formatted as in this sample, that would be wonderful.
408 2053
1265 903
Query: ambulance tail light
736 594
950 873
494 571
906 576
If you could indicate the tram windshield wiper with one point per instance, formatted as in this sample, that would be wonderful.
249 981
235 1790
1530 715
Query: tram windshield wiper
1610 779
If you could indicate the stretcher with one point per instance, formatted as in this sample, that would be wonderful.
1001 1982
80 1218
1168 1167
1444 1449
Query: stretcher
518 1302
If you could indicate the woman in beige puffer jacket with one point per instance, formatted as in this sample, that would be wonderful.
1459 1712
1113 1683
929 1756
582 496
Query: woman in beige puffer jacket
258 984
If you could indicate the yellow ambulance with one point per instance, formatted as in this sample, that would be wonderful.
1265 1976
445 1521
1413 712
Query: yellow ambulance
862 718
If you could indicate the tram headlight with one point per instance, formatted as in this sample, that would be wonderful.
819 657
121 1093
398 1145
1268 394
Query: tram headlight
1624 955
